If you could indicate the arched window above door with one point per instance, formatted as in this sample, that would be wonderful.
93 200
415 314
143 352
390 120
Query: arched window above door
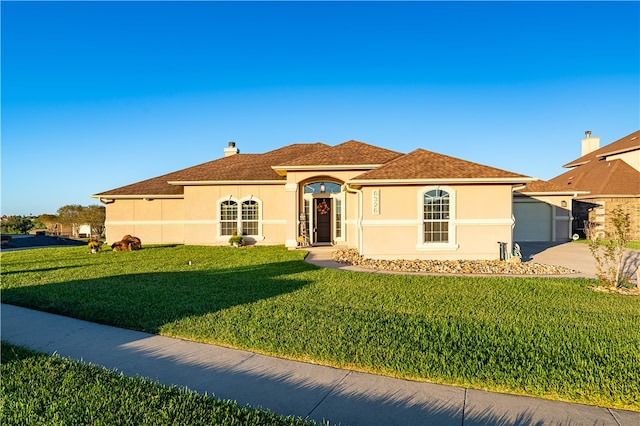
322 188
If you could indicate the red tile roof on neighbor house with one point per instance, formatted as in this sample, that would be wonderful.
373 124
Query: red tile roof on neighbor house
628 143
602 178
424 165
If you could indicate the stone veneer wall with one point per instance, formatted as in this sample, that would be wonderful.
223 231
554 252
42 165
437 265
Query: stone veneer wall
597 211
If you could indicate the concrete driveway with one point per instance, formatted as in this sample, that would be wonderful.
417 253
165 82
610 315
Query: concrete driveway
575 256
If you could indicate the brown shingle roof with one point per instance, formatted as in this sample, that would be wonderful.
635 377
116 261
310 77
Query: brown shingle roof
238 167
423 164
602 177
153 186
627 143
346 154
247 167
542 186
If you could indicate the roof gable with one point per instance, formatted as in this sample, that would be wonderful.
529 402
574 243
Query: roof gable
614 177
423 164
350 153
628 143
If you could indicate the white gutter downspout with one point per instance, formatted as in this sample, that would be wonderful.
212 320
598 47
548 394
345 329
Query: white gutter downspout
347 188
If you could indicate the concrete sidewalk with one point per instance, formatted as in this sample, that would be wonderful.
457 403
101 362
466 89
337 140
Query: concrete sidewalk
288 387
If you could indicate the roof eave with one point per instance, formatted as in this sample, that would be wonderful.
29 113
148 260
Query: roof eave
282 170
618 151
571 193
136 196
573 164
592 196
226 182
428 181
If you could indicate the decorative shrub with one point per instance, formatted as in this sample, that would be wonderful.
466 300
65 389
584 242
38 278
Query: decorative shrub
236 240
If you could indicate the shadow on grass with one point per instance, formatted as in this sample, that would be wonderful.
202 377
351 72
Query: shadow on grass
53 268
147 301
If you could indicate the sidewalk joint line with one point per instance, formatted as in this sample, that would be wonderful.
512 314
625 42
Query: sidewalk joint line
329 392
464 405
614 417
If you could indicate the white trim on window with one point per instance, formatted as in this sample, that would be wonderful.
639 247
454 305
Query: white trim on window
250 217
339 229
239 202
228 216
450 244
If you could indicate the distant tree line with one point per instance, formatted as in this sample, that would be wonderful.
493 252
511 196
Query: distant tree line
72 215
17 225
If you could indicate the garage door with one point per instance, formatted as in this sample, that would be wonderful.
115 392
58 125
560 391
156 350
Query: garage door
533 222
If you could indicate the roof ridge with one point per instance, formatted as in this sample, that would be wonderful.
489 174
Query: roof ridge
424 164
349 153
607 150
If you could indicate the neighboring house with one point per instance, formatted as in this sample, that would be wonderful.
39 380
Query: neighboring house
384 203
610 176
66 230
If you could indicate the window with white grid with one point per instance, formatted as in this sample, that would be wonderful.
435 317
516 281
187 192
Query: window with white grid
228 217
436 216
250 217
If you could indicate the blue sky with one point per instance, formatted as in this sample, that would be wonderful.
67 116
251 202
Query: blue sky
100 95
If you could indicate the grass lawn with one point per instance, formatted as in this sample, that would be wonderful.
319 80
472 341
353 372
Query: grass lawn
544 337
49 390
633 245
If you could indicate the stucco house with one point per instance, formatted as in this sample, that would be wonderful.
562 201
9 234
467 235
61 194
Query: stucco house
384 203
606 178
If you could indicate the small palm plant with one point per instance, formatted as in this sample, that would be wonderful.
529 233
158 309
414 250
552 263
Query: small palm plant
236 240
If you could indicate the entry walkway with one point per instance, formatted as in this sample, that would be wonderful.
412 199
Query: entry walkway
310 391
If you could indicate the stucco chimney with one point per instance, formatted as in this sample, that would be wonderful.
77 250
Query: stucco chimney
231 150
590 144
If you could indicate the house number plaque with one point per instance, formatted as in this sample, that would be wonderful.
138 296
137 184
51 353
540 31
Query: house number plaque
375 201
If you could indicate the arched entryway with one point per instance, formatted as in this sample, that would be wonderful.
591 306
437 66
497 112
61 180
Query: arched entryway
322 212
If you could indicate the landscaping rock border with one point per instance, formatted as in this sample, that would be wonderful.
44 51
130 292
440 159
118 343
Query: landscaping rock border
635 291
490 267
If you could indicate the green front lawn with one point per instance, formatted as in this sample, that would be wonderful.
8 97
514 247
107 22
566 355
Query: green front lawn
48 390
633 245
546 337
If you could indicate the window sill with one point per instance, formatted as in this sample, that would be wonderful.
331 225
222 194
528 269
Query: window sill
251 237
437 247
